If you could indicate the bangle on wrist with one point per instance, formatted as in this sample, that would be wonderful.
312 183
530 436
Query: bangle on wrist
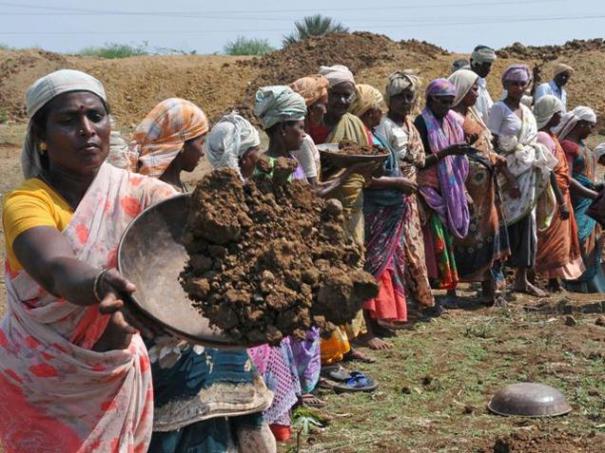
96 286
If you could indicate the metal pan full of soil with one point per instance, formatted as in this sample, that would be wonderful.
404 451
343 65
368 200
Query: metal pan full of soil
151 255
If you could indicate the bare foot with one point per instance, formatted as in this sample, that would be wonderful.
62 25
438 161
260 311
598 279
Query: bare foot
375 343
356 354
530 289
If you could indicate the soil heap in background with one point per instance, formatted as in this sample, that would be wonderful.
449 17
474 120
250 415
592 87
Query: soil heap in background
218 83
547 53
269 259
357 51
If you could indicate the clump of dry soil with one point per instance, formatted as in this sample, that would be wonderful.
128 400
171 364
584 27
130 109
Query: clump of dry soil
269 259
353 149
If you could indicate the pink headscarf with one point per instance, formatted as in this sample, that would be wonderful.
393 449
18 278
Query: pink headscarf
441 87
516 73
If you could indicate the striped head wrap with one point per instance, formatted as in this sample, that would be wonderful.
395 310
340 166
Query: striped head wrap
367 97
312 88
160 137
277 104
483 54
337 74
400 81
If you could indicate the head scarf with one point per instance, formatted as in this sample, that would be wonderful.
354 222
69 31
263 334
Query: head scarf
461 63
229 140
367 97
517 73
463 81
337 74
440 87
599 151
312 88
160 137
38 95
560 68
545 108
276 104
570 119
483 54
400 81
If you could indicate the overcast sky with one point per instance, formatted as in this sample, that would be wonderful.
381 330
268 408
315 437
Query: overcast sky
204 26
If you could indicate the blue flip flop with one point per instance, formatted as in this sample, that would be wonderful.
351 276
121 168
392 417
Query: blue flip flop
357 382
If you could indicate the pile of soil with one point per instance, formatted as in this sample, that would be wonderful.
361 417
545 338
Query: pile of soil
18 70
133 85
355 50
219 83
269 259
353 149
548 53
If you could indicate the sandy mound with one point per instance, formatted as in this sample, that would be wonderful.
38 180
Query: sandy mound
270 259
218 83
134 85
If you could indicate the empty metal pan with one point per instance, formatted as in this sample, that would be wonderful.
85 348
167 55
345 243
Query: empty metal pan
528 399
151 255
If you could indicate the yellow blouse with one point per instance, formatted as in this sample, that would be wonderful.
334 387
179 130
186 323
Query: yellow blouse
31 205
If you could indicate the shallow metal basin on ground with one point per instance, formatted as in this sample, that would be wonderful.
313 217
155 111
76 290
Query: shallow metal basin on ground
529 399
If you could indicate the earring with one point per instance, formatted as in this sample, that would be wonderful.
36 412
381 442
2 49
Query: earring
42 147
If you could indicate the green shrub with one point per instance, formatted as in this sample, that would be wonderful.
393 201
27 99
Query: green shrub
316 25
248 46
115 50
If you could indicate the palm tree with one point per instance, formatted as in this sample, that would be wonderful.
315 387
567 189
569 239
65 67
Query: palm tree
316 25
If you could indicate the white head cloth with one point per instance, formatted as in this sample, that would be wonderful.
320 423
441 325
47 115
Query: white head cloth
399 81
463 80
570 119
337 74
229 140
483 54
545 108
39 94
599 151
277 104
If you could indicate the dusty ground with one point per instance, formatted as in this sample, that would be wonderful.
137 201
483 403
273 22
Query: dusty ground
436 381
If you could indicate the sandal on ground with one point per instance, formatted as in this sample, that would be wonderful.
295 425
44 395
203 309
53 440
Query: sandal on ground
357 382
335 372
310 400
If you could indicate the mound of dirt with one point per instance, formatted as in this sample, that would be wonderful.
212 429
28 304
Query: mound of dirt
220 83
354 50
269 259
18 70
548 53
134 85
